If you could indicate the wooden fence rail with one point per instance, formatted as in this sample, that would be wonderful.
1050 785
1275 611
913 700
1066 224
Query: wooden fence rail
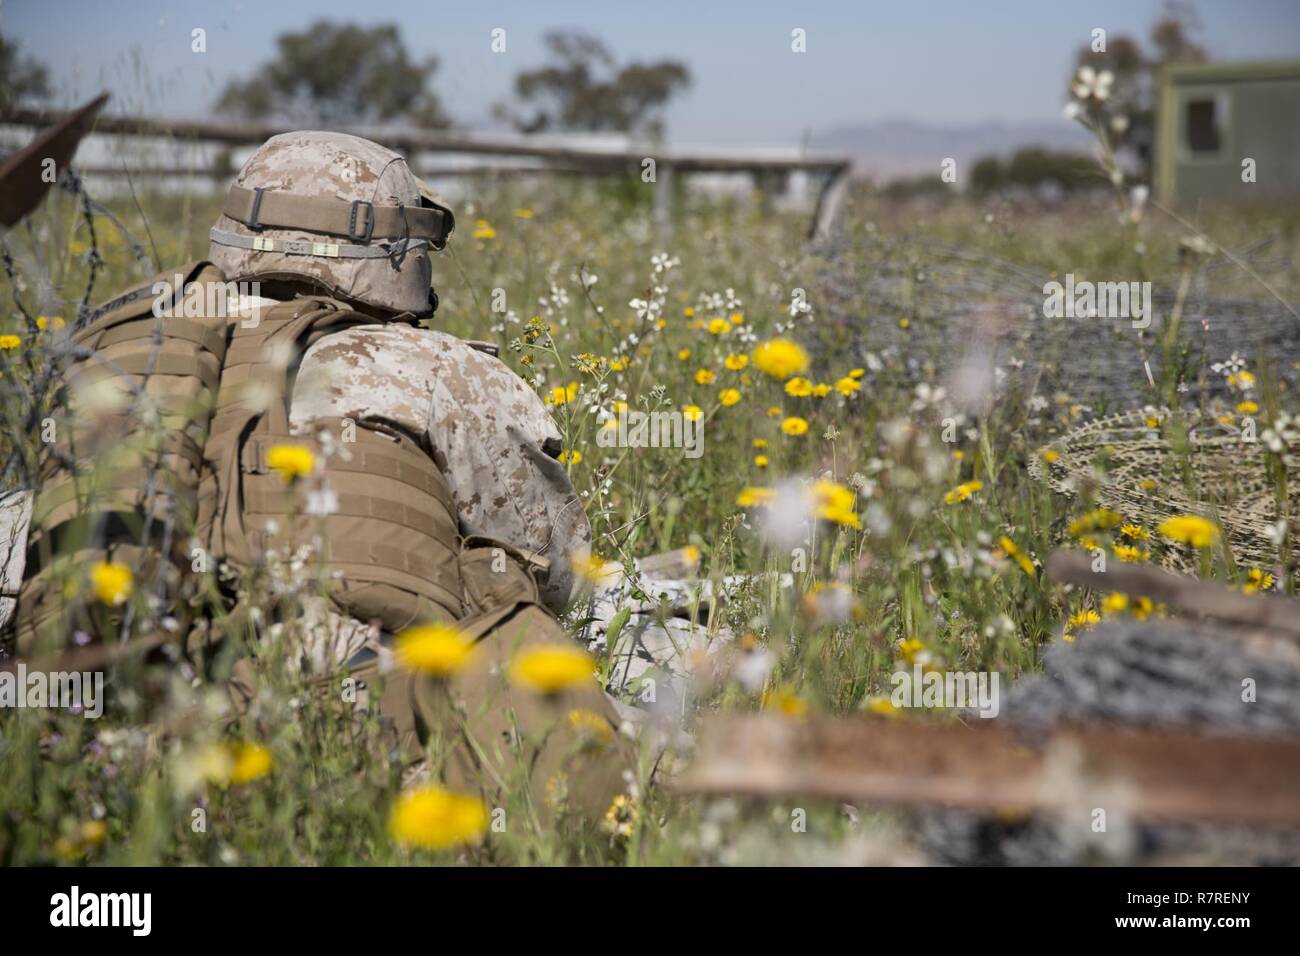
768 173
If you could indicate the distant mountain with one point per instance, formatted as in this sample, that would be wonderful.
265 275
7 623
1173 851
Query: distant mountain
894 149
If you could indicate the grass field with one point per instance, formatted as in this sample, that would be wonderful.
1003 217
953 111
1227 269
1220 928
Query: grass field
924 539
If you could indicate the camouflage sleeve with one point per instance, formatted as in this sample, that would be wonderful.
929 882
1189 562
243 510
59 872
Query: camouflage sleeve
494 439
488 430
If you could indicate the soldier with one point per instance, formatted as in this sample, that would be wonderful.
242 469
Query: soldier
441 499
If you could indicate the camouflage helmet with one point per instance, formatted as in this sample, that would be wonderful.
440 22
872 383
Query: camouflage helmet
337 211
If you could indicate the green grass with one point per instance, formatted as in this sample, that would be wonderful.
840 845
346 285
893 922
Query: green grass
920 569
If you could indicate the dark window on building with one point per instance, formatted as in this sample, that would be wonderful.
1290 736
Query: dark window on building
1202 126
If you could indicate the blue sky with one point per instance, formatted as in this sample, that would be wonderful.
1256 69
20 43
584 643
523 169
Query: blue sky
946 62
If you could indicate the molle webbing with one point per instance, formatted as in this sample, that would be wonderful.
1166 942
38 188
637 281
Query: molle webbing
391 531
120 481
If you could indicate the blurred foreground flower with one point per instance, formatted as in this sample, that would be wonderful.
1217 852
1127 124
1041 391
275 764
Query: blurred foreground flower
434 819
590 725
594 569
291 461
621 817
552 668
785 702
1190 529
222 763
111 583
833 502
962 492
780 358
89 835
438 650
248 762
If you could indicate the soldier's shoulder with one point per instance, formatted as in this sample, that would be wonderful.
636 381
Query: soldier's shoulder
169 284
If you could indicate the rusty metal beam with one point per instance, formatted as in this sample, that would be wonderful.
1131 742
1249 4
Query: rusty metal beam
1192 596
1149 775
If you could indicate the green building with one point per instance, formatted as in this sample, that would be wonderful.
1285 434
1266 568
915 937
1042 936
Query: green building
1220 125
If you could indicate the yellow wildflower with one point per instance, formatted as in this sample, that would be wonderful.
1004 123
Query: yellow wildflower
571 456
729 396
439 650
719 326
248 762
589 724
591 567
291 461
622 817
1101 518
692 413
882 706
1130 554
847 386
1190 529
794 425
798 387
834 502
1257 580
562 394
704 377
111 583
962 492
760 461
751 497
550 668
8 342
780 358
1085 619
434 819
785 702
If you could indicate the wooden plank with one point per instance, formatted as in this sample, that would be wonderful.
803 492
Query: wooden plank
830 202
1150 775
1202 599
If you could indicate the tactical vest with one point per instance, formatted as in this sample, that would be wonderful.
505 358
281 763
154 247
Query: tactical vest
160 463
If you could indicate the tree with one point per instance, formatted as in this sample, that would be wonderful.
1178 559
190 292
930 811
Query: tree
1137 74
1034 166
338 75
21 77
582 88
